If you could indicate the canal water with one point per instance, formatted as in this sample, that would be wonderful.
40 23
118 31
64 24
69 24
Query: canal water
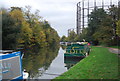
47 63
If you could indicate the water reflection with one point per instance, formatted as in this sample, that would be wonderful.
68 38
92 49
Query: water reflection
63 47
36 61
71 61
56 68
47 63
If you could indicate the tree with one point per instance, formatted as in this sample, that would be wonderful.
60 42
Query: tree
85 35
100 27
10 28
19 26
118 28
71 37
52 37
104 35
63 38
96 19
23 29
25 36
39 38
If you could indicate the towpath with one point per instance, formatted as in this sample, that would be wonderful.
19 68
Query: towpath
113 50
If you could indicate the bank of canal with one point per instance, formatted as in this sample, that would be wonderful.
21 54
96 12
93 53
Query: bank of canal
100 64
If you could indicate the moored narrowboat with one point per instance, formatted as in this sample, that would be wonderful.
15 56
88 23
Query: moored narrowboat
77 50
11 65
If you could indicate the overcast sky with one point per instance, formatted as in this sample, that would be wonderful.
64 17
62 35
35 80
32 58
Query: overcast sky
61 14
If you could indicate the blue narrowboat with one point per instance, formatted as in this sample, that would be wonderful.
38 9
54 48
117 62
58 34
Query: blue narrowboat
10 65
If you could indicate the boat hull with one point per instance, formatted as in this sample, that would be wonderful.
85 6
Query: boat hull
74 55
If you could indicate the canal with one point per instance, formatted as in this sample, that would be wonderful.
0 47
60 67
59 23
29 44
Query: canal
47 63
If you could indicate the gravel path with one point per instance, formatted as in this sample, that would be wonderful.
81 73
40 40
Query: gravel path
114 50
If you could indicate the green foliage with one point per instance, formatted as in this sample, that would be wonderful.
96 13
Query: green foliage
97 18
51 35
9 30
85 35
101 27
23 29
71 37
25 35
118 28
63 38
114 12
104 35
38 36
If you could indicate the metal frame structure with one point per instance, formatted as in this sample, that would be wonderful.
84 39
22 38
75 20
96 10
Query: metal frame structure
83 18
119 9
78 18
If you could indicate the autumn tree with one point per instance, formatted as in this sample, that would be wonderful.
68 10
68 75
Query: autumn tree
25 36
51 35
24 29
118 28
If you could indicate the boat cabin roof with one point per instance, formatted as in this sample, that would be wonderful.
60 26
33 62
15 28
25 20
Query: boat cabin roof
3 52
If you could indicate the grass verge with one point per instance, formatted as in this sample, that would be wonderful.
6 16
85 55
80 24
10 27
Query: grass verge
118 47
100 64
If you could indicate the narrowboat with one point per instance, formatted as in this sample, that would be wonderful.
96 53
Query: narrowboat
77 50
71 62
11 65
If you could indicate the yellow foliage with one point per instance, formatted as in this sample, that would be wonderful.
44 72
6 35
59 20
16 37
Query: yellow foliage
17 14
118 28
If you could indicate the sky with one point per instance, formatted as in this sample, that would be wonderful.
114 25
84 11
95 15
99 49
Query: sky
61 14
